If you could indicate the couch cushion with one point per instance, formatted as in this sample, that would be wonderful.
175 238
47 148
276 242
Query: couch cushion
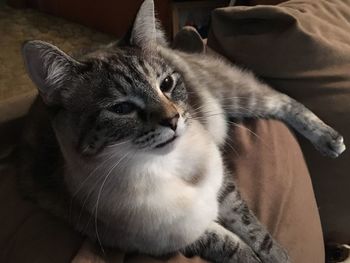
301 48
16 26
110 16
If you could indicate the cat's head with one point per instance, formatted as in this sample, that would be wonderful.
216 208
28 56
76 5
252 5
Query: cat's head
116 94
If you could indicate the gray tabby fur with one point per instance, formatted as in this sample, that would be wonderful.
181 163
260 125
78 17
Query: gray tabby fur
151 180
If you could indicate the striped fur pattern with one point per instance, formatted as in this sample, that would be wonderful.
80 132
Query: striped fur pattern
139 127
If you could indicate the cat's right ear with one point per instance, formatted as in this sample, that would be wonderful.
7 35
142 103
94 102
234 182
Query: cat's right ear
48 67
146 31
188 40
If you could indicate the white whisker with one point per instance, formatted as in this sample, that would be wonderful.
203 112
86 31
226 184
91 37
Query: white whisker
99 195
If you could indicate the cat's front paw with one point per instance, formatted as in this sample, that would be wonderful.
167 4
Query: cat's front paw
277 254
330 143
245 255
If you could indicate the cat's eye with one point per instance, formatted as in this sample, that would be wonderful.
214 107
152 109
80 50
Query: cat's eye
167 84
123 108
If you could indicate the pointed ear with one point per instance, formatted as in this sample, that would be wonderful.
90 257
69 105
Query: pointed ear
188 40
146 31
48 67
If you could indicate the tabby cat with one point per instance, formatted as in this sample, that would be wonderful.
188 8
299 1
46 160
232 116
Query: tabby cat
124 143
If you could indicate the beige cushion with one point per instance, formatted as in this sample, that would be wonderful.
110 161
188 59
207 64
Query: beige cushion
301 48
17 26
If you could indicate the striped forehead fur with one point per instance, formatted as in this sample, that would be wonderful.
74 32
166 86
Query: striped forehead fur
131 64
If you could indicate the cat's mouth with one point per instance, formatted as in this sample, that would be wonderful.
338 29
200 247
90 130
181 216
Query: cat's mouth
160 145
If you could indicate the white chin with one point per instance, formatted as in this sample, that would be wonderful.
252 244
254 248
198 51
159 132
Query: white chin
166 146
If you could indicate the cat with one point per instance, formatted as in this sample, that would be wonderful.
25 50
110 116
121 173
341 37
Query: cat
124 143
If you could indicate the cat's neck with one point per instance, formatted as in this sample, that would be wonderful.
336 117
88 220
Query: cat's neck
125 167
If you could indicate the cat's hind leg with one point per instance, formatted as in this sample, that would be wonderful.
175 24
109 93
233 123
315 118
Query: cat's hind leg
235 216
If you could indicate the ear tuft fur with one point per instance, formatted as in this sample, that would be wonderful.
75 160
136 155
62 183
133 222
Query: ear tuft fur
47 66
146 31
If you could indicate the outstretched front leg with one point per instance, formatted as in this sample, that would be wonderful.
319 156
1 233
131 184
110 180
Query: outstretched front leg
219 245
254 99
235 216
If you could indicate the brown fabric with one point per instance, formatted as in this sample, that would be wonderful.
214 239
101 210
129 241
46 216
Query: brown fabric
258 2
17 26
301 48
269 168
110 16
28 234
274 180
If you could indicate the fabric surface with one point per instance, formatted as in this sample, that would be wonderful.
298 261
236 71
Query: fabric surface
301 48
110 16
17 26
266 160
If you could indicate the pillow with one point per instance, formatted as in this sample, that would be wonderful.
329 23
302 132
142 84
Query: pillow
301 48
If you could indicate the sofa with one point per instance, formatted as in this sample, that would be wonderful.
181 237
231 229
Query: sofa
287 45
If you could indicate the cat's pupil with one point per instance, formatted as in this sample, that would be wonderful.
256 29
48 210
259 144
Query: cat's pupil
123 108
167 84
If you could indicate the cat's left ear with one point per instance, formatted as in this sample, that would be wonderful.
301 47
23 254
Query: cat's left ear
49 68
146 31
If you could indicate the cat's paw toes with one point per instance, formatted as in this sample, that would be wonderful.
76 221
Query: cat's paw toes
331 144
276 255
281 256
246 255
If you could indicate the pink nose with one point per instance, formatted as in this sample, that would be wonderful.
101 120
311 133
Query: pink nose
170 122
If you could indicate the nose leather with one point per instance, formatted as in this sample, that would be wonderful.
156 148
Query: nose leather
170 122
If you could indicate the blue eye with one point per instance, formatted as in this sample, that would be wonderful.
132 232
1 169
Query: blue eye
123 108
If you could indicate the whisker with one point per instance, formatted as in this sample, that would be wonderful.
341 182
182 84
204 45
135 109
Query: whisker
117 144
235 114
87 178
229 144
204 119
92 172
98 198
91 190
251 132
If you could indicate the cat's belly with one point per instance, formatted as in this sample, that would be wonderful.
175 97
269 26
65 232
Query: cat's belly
168 212
167 224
